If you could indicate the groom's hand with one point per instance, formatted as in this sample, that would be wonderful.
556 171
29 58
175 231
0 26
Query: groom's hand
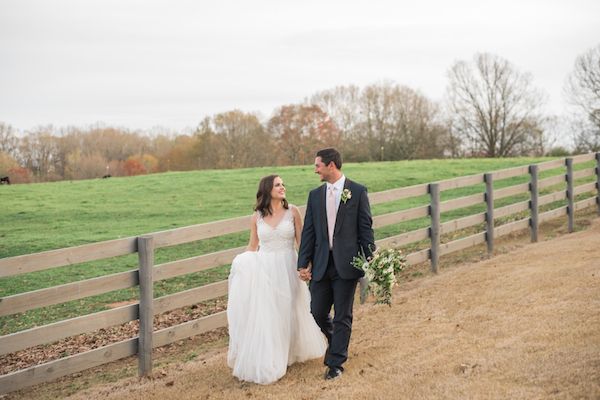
304 274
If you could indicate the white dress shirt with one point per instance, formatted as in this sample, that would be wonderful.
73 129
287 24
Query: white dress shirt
339 187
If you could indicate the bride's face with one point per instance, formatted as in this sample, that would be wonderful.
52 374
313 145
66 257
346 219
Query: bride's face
278 191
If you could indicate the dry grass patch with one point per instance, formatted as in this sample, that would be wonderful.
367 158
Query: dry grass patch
523 324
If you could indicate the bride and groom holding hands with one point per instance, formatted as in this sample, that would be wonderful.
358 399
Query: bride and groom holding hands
274 319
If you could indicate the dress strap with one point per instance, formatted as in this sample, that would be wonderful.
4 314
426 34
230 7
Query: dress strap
289 211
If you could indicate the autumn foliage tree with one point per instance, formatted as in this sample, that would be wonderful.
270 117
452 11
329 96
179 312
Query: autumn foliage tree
7 163
179 155
133 166
300 130
19 175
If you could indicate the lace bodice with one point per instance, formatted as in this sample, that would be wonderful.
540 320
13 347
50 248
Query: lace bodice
278 238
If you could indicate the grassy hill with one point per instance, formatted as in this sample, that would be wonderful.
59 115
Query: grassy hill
46 216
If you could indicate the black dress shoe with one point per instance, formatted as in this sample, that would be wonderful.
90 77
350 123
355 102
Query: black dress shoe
333 373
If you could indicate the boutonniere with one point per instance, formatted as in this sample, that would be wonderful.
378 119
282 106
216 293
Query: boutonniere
346 195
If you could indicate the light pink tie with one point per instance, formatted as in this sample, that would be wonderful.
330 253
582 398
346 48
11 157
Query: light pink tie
331 214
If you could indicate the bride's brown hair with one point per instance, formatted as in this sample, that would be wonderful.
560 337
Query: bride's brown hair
263 196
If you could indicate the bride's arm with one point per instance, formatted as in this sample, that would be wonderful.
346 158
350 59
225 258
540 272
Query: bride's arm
297 224
253 243
303 273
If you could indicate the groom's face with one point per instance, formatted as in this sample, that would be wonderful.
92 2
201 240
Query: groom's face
322 170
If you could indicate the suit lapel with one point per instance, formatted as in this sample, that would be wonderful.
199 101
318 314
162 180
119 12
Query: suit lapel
323 209
341 210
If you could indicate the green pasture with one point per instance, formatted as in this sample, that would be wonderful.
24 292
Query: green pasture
39 217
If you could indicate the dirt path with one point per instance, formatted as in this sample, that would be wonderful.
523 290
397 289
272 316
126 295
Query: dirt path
521 325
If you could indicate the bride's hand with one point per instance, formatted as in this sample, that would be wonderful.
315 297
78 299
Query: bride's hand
305 274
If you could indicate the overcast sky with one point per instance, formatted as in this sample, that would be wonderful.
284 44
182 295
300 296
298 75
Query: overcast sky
140 64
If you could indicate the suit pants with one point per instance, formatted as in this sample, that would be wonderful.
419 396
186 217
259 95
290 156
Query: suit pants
333 290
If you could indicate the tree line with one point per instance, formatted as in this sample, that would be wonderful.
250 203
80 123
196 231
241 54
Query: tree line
491 109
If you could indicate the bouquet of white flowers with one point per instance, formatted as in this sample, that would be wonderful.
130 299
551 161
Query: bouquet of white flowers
381 271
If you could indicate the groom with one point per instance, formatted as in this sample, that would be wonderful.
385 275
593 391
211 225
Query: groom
337 226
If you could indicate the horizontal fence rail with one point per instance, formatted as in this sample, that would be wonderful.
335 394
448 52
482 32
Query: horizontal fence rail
491 221
122 280
112 352
104 319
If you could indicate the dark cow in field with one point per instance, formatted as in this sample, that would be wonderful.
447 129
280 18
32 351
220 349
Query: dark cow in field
5 180
106 176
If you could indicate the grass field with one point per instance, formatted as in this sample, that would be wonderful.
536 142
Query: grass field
46 216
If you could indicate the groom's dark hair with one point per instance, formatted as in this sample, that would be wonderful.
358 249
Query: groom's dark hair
330 154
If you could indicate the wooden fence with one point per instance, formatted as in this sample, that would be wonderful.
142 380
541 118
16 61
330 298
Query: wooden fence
149 273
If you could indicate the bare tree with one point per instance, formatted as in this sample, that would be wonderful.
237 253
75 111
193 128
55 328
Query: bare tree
161 146
247 143
209 146
233 139
385 121
38 152
114 143
343 105
85 166
586 136
9 143
493 107
583 90
404 122
180 154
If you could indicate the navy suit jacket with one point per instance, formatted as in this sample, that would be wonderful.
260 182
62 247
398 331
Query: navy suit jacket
353 232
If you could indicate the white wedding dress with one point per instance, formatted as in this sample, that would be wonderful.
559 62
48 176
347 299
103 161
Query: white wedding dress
268 310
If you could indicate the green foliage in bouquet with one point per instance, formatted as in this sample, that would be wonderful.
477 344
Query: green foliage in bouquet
381 271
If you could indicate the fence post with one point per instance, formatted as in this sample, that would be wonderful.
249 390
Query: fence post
533 203
489 215
146 265
570 202
598 181
434 230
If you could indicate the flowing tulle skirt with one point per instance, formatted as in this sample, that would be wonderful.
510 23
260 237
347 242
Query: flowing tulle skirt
270 325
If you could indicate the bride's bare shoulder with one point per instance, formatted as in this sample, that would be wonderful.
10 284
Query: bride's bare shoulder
295 210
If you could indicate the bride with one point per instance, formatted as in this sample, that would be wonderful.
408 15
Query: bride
268 310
